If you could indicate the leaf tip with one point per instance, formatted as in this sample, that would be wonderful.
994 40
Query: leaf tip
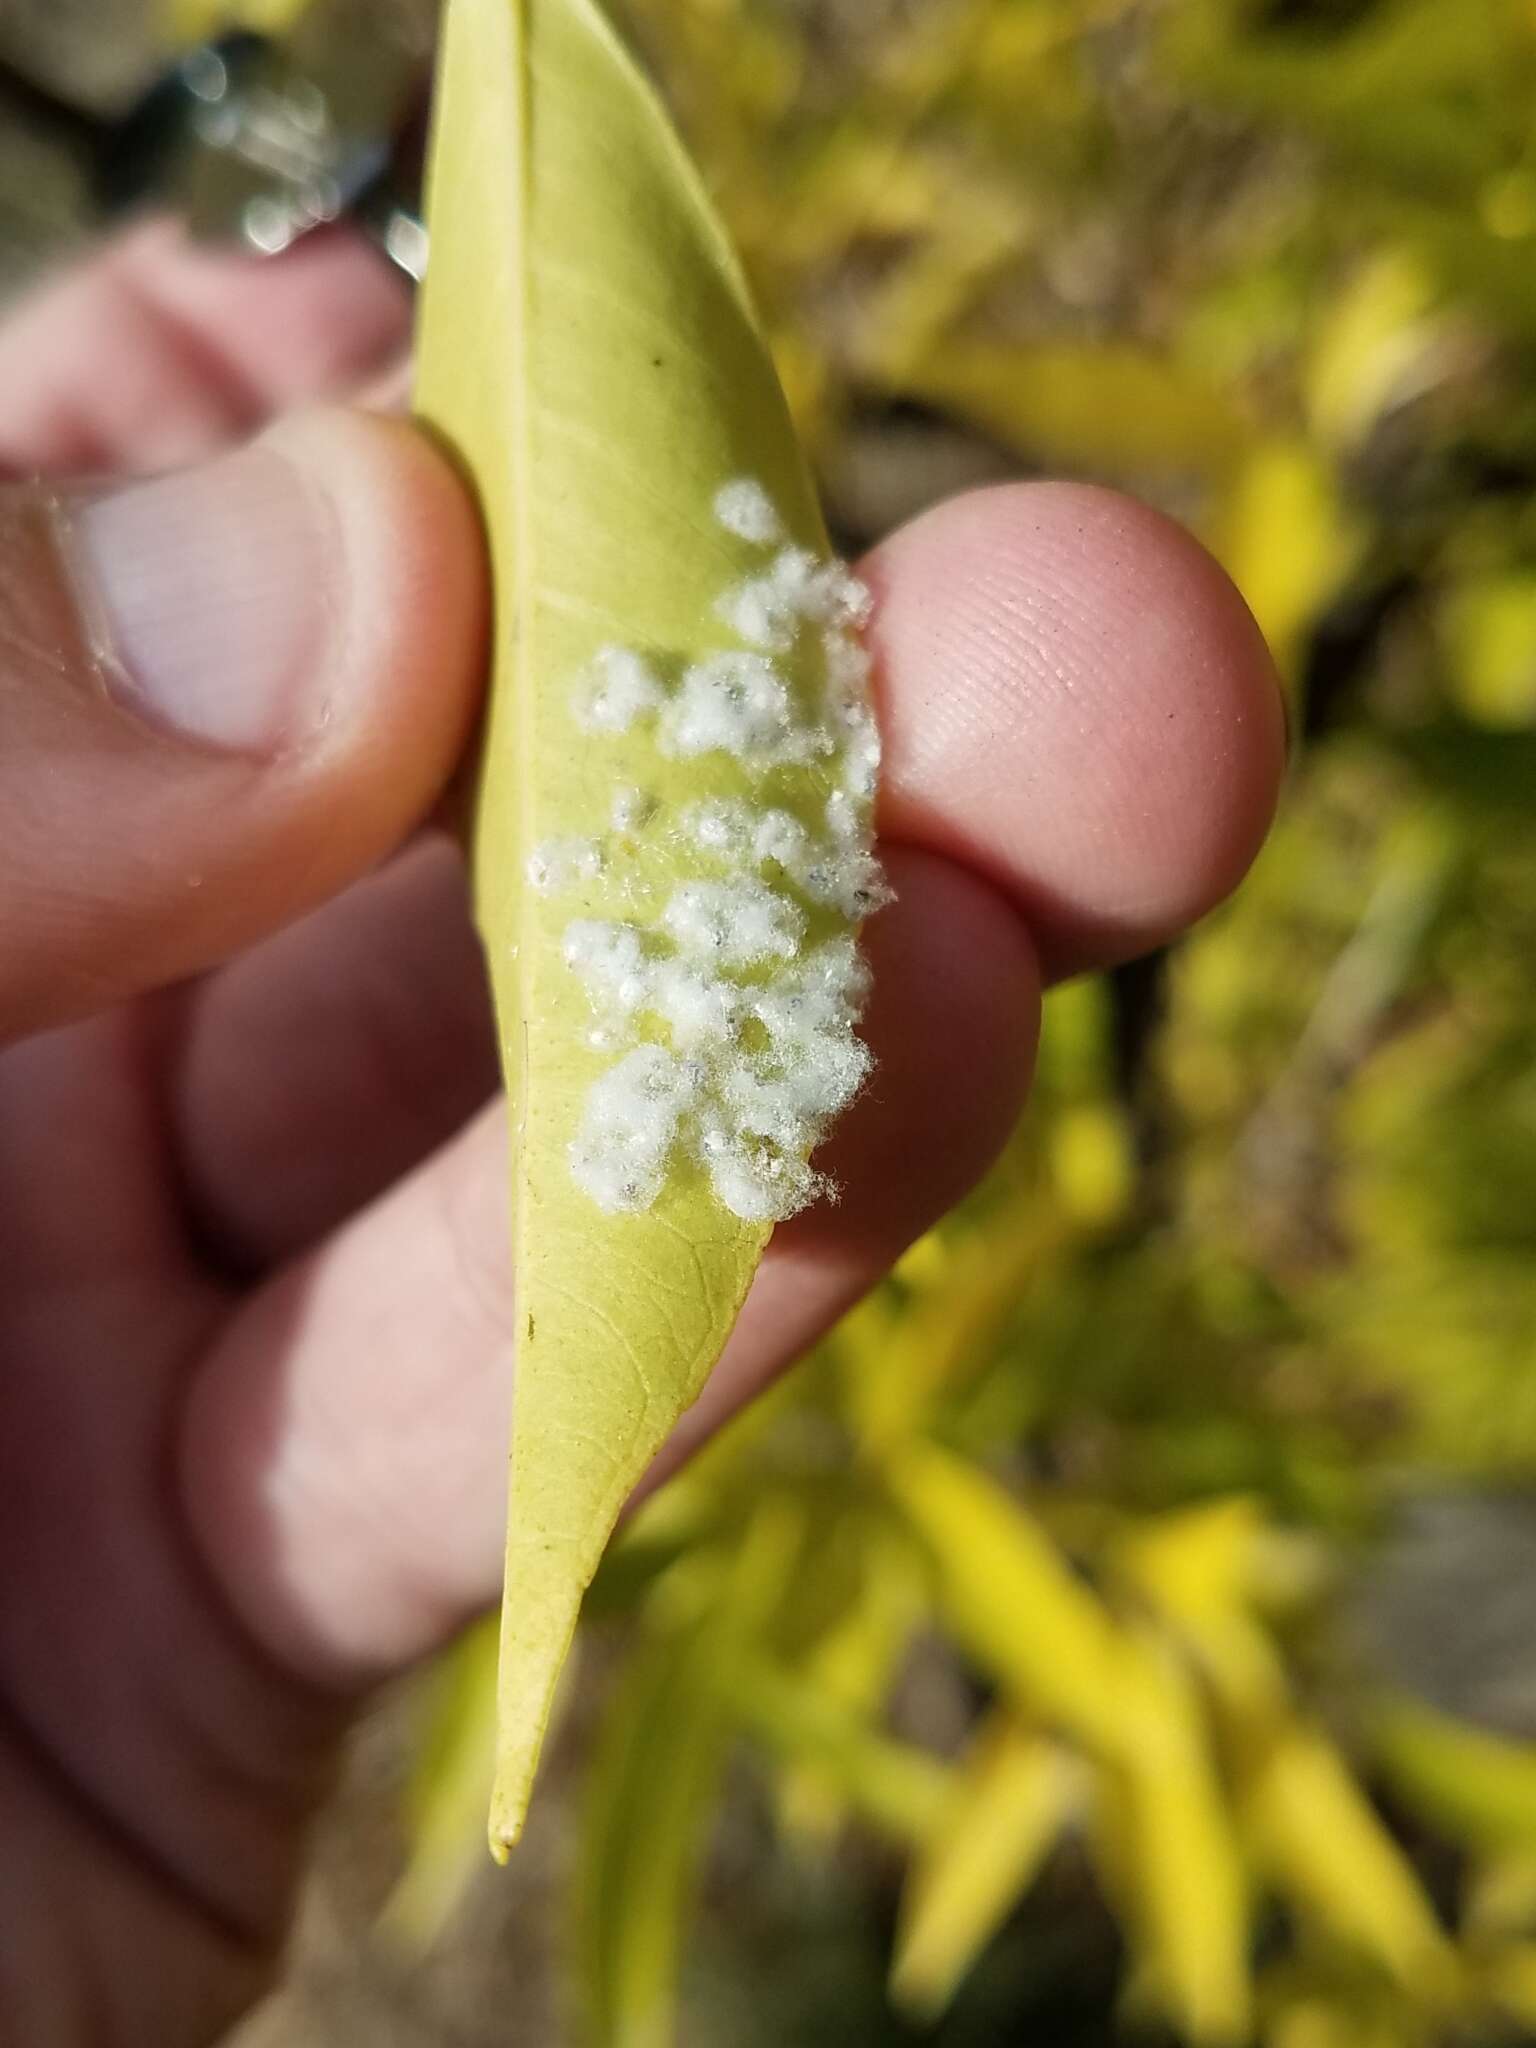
506 1832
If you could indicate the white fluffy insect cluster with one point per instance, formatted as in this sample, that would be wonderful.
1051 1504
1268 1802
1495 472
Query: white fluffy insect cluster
733 1009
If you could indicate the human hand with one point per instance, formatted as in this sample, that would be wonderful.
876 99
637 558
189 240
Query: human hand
255 1311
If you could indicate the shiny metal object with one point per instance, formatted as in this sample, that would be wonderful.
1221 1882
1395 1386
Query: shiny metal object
262 141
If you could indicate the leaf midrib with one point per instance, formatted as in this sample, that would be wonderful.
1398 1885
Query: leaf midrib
524 599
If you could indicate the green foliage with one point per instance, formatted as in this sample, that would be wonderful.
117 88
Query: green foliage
1114 1448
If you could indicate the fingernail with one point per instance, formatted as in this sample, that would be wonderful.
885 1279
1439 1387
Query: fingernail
206 592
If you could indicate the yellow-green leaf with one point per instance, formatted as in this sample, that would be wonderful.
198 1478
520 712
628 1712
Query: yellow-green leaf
1479 1787
446 1797
1488 627
1510 1979
1111 408
191 20
899 1366
1371 346
1199 1566
654 1778
1319 1838
852 1664
1500 1901
901 1788
1016 1790
1288 540
662 642
1176 1856
1352 2017
1010 1597
647 1803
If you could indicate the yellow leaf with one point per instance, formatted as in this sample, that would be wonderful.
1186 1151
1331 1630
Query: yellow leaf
1176 1858
1198 1561
1317 1835
852 1664
1014 1603
1510 1980
192 21
1199 1566
1016 1792
1093 1163
1501 1895
1340 2022
648 1794
1370 348
653 1779
1488 627
1479 1787
910 320
1111 409
446 1798
1011 1598
901 1788
672 821
963 1292
1288 541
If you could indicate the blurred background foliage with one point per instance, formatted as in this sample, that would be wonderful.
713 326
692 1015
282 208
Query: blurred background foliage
1125 1629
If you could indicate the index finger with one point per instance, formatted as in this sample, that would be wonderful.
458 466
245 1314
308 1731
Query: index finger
156 350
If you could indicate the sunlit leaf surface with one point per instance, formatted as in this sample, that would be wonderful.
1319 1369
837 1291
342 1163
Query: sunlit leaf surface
588 352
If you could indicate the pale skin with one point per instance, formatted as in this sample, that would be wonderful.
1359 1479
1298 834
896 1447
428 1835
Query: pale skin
254 1287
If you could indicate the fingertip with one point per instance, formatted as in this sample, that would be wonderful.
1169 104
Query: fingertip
1078 703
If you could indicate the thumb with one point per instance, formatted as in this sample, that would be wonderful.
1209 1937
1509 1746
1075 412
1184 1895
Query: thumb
223 695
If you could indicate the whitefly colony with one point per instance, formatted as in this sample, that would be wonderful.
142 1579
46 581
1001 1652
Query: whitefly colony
731 1012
